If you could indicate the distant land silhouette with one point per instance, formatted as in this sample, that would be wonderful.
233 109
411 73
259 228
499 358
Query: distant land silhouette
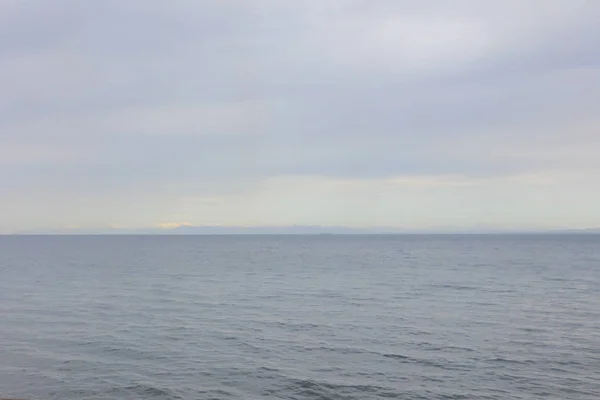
301 230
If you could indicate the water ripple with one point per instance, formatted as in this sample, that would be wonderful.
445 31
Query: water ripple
340 317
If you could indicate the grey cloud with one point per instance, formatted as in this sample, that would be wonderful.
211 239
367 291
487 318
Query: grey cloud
210 96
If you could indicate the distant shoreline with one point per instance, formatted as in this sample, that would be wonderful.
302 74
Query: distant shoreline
454 233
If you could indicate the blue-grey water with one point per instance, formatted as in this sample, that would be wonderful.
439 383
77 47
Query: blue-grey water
300 317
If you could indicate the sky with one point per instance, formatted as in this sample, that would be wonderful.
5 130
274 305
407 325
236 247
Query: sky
415 114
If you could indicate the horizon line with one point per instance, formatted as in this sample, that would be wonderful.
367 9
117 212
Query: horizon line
431 233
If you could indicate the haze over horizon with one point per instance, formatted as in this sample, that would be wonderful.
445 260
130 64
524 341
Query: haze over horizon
403 114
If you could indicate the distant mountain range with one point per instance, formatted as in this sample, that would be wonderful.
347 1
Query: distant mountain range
304 230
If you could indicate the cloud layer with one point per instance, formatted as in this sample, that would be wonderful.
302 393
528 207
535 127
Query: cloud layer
352 113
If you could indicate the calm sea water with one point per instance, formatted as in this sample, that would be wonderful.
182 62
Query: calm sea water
300 317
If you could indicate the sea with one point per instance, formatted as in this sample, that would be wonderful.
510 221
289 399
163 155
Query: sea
300 317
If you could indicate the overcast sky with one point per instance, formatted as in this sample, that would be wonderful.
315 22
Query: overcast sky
395 113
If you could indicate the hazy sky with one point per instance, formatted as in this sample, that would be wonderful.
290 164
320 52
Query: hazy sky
399 113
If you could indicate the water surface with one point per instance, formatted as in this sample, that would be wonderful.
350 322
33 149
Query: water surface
300 317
